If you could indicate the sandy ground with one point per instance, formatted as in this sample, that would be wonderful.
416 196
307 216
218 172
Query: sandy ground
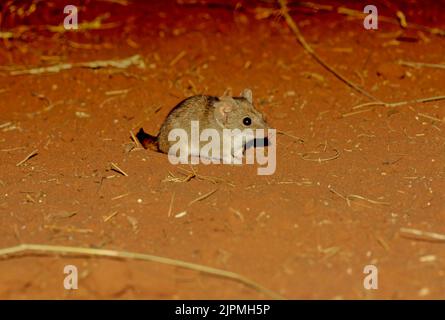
307 231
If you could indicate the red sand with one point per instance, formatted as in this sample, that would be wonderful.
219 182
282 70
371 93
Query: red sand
292 232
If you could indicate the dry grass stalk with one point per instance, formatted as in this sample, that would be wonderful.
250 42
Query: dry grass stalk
42 248
204 196
293 26
422 235
116 168
29 156
399 103
421 64
135 60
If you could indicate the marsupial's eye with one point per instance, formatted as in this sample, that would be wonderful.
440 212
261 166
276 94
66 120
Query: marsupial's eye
247 121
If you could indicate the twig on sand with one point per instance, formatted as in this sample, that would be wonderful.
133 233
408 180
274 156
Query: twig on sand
427 116
96 24
398 20
172 178
421 64
135 60
181 214
306 156
356 196
139 256
290 136
116 168
422 235
107 218
29 156
204 196
121 2
136 141
66 229
170 207
177 58
293 26
399 103
194 174
353 113
352 197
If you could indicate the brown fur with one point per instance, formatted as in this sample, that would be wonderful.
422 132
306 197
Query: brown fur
212 113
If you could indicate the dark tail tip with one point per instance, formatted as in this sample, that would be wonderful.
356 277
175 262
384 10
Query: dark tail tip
141 134
146 140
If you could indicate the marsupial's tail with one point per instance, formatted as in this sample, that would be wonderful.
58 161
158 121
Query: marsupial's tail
147 141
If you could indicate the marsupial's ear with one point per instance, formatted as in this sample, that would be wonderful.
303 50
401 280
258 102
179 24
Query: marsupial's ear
227 93
222 109
247 94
